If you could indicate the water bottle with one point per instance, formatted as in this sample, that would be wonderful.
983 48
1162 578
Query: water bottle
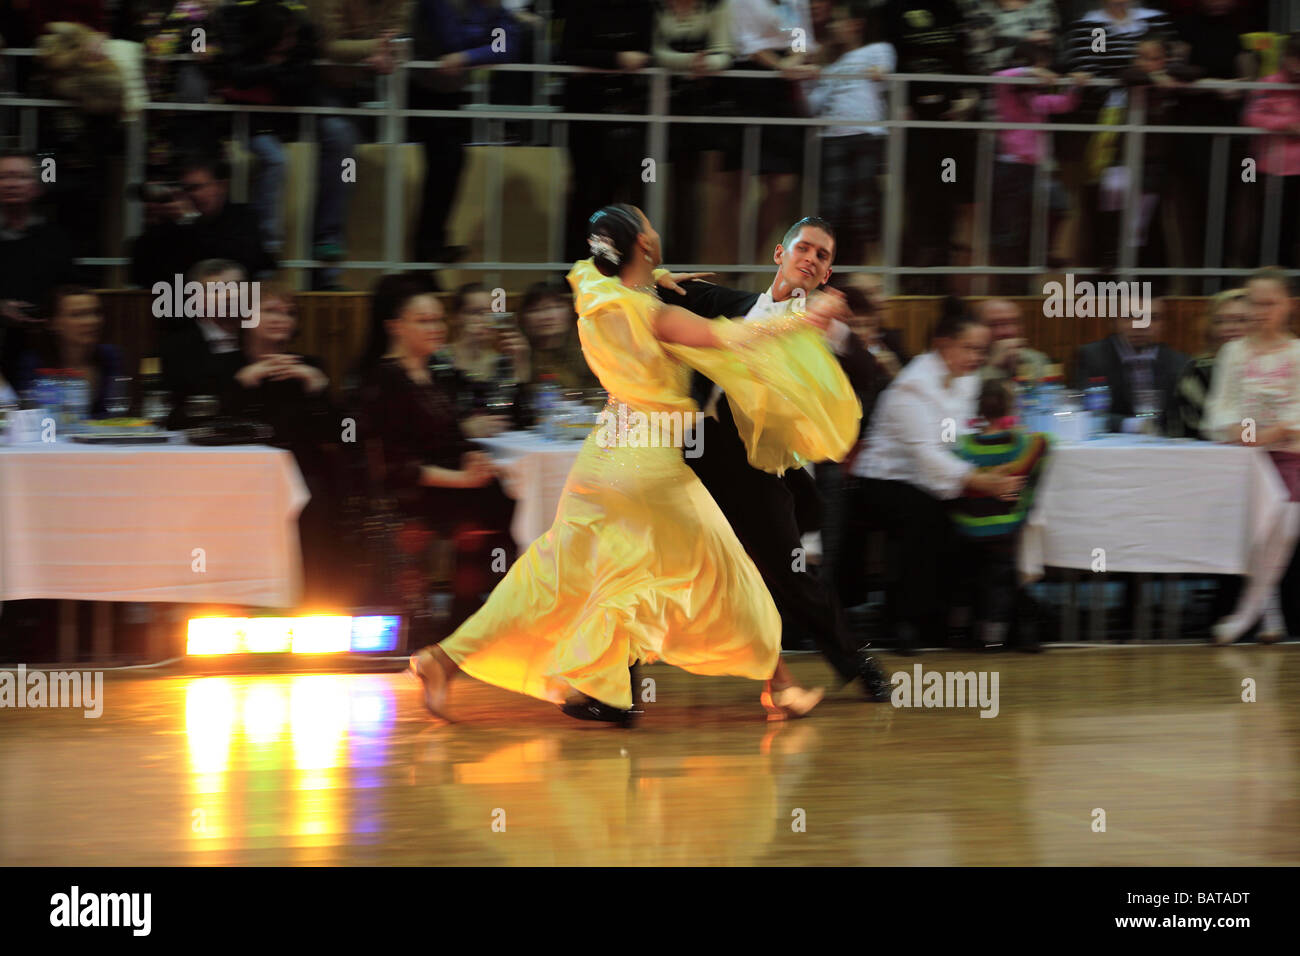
76 402
44 392
1097 401
1051 402
547 401
1028 411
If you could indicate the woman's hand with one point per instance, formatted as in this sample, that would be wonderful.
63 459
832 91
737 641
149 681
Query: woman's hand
826 307
632 60
484 426
515 345
253 374
670 280
312 378
477 469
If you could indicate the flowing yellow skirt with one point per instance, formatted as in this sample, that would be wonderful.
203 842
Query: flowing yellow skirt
640 565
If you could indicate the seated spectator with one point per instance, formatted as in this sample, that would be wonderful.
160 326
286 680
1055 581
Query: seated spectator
1228 318
853 156
35 257
909 474
71 340
460 35
1021 152
492 362
884 345
1255 400
197 352
551 327
1133 360
288 391
988 526
1009 356
1279 153
195 221
409 422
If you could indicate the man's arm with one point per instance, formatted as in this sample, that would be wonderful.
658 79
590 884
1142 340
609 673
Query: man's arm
707 299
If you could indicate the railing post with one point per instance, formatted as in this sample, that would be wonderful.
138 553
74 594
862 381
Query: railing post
394 128
746 244
1214 219
657 149
983 207
897 180
1133 153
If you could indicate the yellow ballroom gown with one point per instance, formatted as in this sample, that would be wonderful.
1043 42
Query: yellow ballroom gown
641 564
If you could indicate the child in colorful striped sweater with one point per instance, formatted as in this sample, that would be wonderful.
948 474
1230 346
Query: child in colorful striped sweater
989 528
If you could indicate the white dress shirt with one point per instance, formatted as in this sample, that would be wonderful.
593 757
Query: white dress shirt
919 409
219 340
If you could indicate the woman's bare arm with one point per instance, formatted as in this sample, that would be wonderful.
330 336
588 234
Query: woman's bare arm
681 327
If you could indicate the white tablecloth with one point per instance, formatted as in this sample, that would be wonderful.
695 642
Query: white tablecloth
120 523
1156 506
534 470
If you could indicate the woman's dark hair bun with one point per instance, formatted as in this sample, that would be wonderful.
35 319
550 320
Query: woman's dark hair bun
611 236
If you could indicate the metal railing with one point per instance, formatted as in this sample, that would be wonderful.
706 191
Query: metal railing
392 114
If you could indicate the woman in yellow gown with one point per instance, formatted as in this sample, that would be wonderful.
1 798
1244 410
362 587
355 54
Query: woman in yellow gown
640 564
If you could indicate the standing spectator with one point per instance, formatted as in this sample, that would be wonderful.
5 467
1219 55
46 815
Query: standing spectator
1279 153
460 35
988 527
1255 400
1021 152
361 36
853 156
997 27
693 35
35 256
605 158
1131 360
763 31
1123 24
930 37
1010 357
1227 319
195 221
263 57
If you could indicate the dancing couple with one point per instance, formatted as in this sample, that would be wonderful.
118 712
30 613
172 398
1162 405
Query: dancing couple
641 564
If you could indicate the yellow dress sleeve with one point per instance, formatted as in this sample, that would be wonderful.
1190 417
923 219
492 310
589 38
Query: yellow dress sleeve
791 401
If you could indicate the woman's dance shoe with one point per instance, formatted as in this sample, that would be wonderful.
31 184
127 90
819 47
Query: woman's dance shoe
792 702
426 669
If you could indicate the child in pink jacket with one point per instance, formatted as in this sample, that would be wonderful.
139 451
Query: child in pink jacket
1279 154
1021 150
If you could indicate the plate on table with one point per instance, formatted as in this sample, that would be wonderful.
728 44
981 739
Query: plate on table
123 438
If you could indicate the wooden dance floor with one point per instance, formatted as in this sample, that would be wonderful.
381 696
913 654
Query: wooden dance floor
347 769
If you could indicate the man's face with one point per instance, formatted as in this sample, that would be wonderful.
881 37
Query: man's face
1150 58
1002 320
806 264
1141 338
207 194
17 181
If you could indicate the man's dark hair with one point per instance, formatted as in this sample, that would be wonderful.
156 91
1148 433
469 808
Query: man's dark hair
813 222
217 167
857 301
953 320
61 292
994 401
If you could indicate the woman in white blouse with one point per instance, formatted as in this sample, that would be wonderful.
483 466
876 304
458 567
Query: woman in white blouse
910 472
1255 400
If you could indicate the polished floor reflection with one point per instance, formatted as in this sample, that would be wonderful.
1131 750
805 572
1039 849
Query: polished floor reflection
346 769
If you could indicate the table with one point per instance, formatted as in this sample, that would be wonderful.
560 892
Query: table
121 523
1153 506
534 470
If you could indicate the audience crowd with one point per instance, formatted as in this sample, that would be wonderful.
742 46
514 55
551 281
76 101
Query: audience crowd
439 372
